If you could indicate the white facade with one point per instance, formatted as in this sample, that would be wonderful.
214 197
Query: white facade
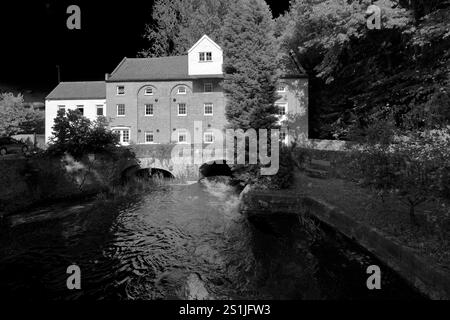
212 61
89 110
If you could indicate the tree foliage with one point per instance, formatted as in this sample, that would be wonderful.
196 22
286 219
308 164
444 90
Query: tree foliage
77 136
250 65
178 24
360 76
15 117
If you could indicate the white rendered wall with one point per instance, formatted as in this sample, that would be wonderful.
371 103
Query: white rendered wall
51 109
197 67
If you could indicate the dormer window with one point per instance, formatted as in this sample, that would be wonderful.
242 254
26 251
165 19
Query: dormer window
182 90
120 90
205 56
148 91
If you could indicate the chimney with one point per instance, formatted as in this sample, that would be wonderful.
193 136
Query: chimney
106 76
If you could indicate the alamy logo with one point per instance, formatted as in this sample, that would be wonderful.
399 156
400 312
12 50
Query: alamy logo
374 280
74 280
373 15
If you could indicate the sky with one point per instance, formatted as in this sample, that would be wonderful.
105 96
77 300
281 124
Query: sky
34 40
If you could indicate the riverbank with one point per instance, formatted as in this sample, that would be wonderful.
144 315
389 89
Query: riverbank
345 208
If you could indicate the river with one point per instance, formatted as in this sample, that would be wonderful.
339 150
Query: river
181 242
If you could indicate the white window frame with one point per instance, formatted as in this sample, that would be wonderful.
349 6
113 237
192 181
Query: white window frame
185 109
145 137
148 94
145 110
284 87
62 106
117 90
103 110
285 140
181 133
124 110
204 54
80 106
121 130
208 133
185 90
281 104
204 109
206 84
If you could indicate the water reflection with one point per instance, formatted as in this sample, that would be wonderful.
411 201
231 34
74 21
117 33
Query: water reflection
176 242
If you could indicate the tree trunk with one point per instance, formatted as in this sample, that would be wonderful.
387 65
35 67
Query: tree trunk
412 214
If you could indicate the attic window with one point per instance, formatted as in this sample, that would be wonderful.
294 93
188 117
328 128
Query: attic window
120 90
205 56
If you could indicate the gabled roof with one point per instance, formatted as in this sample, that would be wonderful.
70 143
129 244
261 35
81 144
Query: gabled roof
78 90
205 37
144 69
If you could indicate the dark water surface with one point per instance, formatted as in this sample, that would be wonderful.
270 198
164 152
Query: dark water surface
183 241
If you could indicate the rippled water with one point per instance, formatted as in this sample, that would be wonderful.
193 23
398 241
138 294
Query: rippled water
181 242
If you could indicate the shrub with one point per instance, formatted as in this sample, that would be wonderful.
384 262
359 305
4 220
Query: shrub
414 166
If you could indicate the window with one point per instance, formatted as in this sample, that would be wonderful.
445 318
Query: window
124 135
80 109
182 137
149 109
208 137
148 91
283 136
63 108
149 138
208 109
120 90
281 88
282 108
208 87
120 110
205 56
100 110
182 90
182 109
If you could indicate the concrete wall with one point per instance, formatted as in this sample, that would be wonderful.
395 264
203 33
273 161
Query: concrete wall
51 109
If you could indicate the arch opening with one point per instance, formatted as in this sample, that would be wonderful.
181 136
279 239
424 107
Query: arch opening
212 169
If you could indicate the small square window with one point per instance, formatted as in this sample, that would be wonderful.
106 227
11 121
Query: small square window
125 136
120 90
209 56
182 110
205 56
182 137
149 138
208 109
148 91
80 109
182 90
208 137
149 109
281 88
100 110
201 56
283 136
208 87
120 110
282 109
63 108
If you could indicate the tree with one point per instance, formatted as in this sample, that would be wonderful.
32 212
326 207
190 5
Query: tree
14 116
76 135
250 65
178 24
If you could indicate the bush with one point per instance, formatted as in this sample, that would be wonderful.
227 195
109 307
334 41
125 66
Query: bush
76 135
415 167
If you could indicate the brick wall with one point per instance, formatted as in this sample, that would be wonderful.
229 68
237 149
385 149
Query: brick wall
165 100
